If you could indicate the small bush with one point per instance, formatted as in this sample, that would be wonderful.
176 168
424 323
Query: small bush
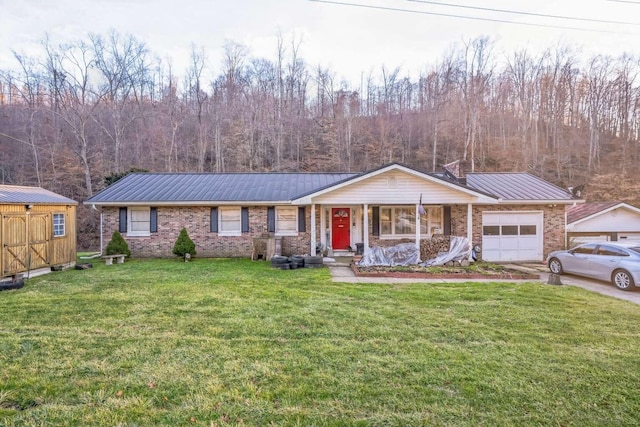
117 245
184 245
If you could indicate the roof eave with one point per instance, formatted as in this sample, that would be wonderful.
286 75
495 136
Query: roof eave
540 201
190 203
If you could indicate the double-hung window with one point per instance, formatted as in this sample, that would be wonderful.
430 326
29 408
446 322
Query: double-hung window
230 221
286 221
58 225
139 221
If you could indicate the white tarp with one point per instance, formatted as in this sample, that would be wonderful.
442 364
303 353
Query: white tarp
402 254
409 254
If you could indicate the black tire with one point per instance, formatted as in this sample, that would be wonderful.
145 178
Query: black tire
312 260
622 280
15 284
555 266
313 265
298 259
286 266
293 265
279 260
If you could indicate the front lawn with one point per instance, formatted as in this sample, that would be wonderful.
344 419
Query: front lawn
234 342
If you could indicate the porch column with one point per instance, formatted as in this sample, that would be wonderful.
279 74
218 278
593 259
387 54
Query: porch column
365 226
418 220
313 229
470 228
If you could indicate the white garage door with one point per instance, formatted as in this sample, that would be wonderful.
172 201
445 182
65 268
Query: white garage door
512 236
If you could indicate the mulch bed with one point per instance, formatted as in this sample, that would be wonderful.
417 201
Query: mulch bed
417 272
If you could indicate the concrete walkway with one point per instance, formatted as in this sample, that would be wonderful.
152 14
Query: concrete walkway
341 272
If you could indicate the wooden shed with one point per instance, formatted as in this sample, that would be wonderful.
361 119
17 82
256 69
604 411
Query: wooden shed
37 229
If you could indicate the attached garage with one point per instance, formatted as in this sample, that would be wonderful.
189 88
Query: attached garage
512 236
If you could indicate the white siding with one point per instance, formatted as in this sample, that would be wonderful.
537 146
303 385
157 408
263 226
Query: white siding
395 188
617 220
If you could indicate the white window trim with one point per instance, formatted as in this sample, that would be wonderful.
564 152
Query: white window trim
288 232
64 224
144 233
426 235
231 233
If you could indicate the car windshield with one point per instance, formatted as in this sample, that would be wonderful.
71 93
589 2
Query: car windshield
635 249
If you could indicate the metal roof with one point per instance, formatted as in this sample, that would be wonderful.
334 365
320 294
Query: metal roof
214 187
282 187
514 186
12 194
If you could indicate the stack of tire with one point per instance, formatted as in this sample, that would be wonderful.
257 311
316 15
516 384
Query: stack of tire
312 261
296 261
281 262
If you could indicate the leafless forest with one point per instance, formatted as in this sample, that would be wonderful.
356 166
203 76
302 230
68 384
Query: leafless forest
99 107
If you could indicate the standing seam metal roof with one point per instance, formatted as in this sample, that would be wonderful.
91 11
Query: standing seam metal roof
517 186
271 187
10 194
224 187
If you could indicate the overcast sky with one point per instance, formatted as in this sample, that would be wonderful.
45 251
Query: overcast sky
349 39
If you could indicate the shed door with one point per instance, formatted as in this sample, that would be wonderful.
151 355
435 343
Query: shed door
39 236
512 236
14 244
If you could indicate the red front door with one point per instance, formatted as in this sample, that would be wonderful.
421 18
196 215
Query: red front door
340 226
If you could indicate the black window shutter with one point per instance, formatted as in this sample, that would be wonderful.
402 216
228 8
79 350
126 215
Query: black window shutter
446 216
153 220
123 220
214 220
245 220
271 219
302 225
375 220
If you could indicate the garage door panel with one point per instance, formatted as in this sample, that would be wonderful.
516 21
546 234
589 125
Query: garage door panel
512 236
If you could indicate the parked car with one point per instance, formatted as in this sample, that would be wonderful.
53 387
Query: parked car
615 262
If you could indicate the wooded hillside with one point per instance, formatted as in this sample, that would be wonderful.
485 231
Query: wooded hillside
98 107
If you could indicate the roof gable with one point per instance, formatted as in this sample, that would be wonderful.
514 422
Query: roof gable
360 179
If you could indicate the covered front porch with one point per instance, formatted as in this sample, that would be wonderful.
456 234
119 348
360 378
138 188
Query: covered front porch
342 228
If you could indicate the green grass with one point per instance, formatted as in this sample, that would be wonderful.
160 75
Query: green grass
234 342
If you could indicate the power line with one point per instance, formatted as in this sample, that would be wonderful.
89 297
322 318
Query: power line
448 15
625 1
527 13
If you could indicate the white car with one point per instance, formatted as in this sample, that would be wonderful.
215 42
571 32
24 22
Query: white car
615 262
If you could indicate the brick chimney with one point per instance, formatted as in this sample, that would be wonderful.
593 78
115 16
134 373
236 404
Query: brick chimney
456 171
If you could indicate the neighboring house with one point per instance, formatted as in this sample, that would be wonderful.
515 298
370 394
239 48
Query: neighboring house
38 229
604 221
513 216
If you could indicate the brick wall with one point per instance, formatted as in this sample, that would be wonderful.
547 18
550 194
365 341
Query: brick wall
208 244
196 220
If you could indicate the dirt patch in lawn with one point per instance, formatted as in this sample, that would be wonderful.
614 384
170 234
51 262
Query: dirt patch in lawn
474 271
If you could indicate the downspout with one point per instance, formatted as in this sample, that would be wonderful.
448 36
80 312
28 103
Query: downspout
470 228
418 221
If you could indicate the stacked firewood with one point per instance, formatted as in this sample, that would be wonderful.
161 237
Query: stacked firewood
430 248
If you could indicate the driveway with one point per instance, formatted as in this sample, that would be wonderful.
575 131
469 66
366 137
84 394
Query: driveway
603 288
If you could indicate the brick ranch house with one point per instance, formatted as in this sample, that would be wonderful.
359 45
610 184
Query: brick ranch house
512 216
